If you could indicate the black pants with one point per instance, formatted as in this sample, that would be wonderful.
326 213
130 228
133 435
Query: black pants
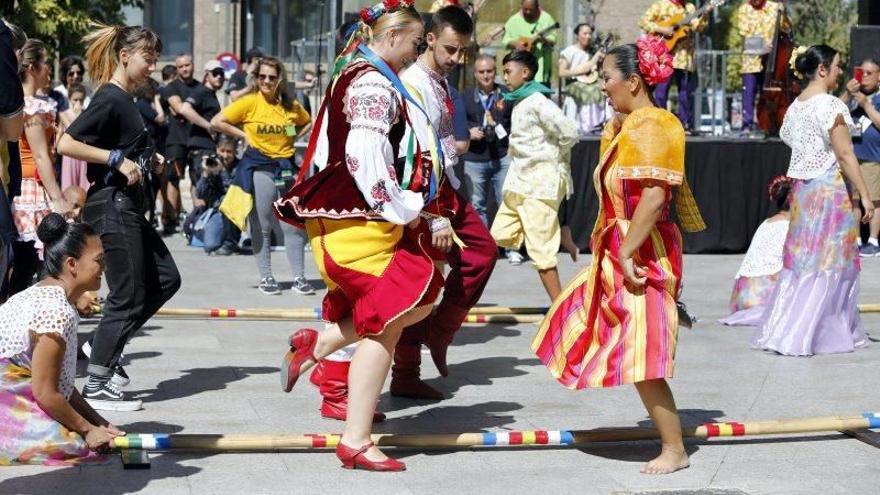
139 270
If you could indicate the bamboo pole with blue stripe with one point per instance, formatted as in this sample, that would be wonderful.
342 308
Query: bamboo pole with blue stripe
530 438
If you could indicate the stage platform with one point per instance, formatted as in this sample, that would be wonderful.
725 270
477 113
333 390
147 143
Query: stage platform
729 179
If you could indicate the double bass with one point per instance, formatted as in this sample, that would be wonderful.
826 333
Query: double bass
780 86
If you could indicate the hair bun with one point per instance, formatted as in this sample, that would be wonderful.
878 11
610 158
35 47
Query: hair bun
52 229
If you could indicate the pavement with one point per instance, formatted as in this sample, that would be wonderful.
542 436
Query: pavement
213 376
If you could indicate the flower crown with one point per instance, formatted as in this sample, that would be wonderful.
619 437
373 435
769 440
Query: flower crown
369 15
793 59
776 184
655 62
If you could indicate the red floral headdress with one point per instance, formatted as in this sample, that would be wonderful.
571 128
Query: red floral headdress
777 186
655 62
369 15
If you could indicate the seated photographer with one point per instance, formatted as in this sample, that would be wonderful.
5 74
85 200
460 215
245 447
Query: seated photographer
216 233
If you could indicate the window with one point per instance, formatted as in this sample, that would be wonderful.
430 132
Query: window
173 22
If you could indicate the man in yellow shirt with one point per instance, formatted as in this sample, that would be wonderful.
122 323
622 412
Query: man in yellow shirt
529 22
756 22
659 13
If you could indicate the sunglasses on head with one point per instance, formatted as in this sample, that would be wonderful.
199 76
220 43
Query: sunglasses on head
267 77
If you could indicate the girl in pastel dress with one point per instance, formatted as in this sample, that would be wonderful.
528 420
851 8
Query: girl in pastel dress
760 268
813 307
43 419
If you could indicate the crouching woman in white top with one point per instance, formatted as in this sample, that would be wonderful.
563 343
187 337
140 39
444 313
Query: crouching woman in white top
43 419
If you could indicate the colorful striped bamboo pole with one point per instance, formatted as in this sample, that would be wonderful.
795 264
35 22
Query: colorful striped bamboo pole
244 443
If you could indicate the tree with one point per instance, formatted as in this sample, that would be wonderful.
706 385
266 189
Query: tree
61 24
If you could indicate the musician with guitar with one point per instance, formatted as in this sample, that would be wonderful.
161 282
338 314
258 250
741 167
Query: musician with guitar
584 102
532 29
676 21
756 21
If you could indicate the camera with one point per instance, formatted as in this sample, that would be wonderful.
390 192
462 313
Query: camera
489 134
212 160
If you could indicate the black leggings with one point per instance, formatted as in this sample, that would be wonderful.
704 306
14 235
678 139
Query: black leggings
139 269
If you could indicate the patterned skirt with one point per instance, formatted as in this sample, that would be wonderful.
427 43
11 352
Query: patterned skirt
600 332
749 297
29 209
375 271
28 435
813 308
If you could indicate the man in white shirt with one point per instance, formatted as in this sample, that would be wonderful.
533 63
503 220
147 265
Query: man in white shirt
470 266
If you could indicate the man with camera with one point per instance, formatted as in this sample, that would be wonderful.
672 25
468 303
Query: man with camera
486 160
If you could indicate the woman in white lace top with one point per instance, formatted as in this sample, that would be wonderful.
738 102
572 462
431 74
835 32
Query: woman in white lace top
813 307
760 268
44 420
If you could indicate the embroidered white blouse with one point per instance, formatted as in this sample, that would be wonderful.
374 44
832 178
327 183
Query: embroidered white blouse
39 310
805 129
430 87
541 139
764 256
372 106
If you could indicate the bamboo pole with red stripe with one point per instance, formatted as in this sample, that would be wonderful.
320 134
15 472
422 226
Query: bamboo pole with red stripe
531 438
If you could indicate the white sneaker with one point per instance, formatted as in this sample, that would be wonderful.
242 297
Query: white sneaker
514 258
120 377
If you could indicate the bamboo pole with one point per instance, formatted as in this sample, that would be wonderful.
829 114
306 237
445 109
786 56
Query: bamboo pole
497 314
537 438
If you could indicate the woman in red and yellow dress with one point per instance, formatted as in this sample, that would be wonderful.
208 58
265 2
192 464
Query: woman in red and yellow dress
362 215
616 323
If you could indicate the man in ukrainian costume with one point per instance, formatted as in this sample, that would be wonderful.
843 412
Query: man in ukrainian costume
362 217
459 236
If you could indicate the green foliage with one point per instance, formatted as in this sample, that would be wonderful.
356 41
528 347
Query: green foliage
62 23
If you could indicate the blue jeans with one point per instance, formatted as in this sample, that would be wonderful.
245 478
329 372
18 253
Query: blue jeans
478 176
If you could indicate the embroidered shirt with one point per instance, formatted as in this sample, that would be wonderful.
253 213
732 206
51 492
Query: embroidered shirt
372 106
432 90
541 139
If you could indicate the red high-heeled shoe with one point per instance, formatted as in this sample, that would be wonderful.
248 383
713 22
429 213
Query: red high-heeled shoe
355 459
302 347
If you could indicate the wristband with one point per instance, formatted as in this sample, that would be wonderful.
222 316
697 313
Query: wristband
439 223
115 159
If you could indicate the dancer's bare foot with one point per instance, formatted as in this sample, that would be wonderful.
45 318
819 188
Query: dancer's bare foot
567 242
669 461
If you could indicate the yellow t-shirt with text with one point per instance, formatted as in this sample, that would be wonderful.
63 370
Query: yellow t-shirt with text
269 127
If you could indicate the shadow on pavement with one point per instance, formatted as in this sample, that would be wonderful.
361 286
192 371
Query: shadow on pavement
478 372
468 335
195 381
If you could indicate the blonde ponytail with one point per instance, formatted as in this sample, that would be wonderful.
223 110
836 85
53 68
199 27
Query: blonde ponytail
104 45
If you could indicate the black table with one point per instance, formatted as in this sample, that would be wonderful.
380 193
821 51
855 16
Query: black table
729 179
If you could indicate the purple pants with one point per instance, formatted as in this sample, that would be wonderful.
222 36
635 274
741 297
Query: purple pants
751 83
683 81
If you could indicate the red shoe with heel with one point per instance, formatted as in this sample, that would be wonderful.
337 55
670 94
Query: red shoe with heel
355 459
302 348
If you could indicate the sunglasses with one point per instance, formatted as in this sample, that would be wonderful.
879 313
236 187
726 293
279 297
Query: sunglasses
218 73
74 73
267 77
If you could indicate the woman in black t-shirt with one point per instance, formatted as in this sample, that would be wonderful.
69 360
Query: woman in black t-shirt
112 137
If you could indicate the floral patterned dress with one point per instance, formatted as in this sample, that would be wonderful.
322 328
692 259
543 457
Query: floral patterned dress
813 309
600 331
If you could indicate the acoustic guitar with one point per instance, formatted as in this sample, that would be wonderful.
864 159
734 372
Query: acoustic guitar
530 42
681 23
593 75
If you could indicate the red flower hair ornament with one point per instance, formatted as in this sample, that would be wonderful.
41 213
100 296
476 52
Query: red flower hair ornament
369 15
655 62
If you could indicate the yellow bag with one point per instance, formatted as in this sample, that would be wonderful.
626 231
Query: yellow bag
237 205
